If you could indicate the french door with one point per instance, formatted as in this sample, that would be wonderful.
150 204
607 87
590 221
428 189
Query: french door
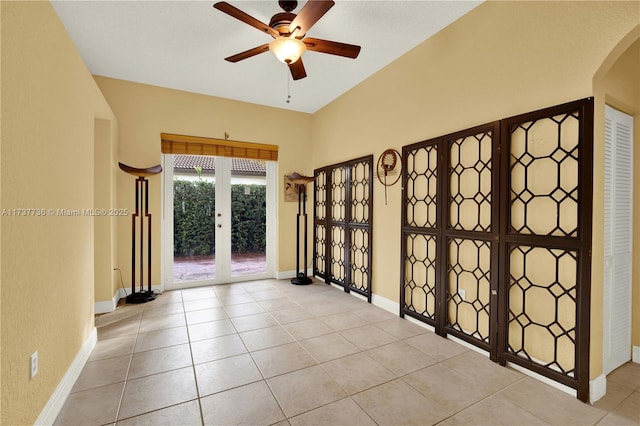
219 216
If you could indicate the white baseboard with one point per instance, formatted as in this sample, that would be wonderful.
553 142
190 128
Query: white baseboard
109 305
51 410
386 304
597 388
566 389
287 275
157 288
636 354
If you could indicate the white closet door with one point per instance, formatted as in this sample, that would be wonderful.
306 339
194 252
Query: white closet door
618 238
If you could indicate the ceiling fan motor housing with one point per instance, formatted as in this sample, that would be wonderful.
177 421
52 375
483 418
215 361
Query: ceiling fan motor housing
280 22
288 5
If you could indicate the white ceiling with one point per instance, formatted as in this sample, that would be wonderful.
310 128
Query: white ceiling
182 45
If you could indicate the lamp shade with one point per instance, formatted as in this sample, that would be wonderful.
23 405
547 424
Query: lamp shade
287 49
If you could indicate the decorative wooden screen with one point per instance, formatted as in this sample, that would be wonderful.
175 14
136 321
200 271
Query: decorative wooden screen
496 239
545 240
470 233
449 229
320 190
342 234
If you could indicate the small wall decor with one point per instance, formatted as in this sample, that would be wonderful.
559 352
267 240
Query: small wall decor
388 169
290 190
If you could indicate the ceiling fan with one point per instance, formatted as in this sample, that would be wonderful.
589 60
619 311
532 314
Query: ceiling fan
289 34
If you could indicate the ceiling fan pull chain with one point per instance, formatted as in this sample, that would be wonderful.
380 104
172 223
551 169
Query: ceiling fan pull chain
288 88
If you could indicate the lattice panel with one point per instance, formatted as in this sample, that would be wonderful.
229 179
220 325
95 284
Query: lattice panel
343 224
497 239
542 307
360 268
336 251
320 188
470 182
421 186
320 245
544 176
420 275
360 175
469 287
338 194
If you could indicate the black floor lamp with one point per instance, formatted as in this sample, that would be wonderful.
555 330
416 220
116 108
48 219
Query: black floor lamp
301 185
141 212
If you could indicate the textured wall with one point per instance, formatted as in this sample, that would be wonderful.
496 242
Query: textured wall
621 87
49 104
146 111
499 60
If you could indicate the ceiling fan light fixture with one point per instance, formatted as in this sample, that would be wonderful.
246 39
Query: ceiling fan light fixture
287 49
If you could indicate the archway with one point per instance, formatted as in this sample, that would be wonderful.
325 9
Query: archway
615 84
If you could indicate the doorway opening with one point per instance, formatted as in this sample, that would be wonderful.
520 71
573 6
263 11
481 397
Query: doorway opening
219 220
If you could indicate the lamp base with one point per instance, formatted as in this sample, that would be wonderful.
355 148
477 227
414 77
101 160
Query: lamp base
301 279
141 297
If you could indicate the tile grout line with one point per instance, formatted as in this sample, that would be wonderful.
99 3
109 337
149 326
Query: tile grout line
126 377
193 364
323 365
264 379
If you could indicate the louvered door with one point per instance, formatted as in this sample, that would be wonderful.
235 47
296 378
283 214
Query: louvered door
618 238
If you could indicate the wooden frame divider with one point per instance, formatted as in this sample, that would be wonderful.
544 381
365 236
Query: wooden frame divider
536 190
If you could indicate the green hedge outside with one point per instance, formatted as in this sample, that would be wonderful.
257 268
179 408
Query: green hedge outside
194 218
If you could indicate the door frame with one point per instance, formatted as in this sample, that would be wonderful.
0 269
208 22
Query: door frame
225 277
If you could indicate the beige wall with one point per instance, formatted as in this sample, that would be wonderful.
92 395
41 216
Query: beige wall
49 104
0 217
106 172
615 83
146 111
621 87
501 59
1 353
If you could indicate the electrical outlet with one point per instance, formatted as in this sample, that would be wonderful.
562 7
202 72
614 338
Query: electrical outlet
33 364
462 294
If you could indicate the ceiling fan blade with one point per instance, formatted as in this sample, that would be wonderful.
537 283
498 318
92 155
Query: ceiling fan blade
332 47
310 13
247 19
248 53
297 70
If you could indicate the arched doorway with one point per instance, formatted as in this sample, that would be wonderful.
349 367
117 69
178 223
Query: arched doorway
616 88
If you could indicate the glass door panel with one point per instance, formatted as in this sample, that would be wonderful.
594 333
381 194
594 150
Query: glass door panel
248 218
194 214
217 226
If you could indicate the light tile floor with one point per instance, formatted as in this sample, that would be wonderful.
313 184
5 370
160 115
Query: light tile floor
268 352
